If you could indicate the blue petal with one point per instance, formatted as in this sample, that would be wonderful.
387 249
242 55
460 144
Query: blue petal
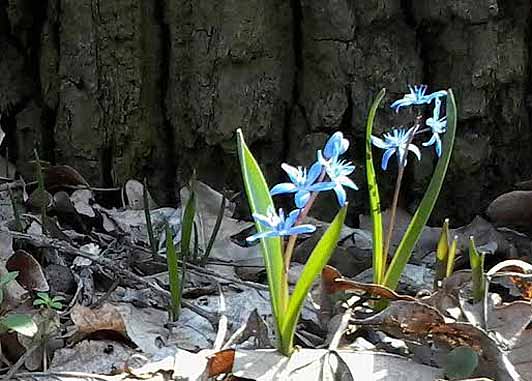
313 173
263 220
378 142
321 159
347 182
292 172
340 194
431 141
387 154
291 219
323 186
438 146
437 95
302 198
332 146
268 234
283 188
300 229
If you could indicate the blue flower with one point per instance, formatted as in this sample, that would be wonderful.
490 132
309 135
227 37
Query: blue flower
398 142
438 126
338 170
335 146
303 183
278 225
417 96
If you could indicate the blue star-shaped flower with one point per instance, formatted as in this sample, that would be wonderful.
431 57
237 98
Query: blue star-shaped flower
396 142
417 96
303 183
438 126
279 226
338 170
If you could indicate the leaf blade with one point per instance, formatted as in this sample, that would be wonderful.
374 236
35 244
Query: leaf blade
20 323
374 199
316 262
260 201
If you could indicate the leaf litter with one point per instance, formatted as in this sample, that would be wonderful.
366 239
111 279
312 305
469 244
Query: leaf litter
114 323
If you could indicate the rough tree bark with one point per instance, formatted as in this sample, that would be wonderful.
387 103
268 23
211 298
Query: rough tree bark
134 88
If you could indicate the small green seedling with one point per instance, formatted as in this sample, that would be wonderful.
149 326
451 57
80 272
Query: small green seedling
20 323
442 254
476 260
52 303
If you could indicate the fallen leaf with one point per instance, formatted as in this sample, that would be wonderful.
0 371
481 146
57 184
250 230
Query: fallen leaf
31 275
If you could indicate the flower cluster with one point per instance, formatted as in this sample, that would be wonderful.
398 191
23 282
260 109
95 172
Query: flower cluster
400 140
329 172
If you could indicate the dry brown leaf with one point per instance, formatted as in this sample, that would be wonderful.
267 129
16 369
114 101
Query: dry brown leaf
31 275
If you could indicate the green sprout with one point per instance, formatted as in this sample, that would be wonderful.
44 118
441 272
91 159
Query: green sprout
46 301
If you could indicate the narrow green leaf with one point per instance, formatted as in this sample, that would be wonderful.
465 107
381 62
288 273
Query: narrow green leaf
260 201
147 215
215 230
442 253
476 261
188 224
173 275
20 323
451 257
379 262
420 218
315 264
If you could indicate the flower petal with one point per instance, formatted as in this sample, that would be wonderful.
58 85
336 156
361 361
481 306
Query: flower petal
292 172
340 194
431 141
291 219
264 220
333 145
438 146
415 150
347 182
386 156
268 234
379 143
283 188
301 198
300 229
322 186
313 173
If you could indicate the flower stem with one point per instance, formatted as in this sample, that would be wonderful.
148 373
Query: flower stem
292 239
401 165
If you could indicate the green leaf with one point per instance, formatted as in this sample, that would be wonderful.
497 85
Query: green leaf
8 278
260 201
451 257
442 253
43 295
420 218
315 264
215 230
147 215
20 323
379 262
38 302
461 362
476 261
173 275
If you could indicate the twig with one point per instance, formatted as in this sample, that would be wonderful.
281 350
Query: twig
21 361
73 374
222 325
68 249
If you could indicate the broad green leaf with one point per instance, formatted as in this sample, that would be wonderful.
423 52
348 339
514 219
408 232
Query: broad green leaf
20 323
315 264
260 201
461 362
173 275
420 218
476 261
379 262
